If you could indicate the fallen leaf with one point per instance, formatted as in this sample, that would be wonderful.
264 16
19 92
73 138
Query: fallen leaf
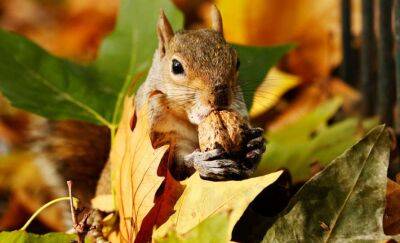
268 93
135 164
214 229
202 198
391 219
347 198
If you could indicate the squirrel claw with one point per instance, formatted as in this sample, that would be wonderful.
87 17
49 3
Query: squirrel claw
220 170
255 147
198 156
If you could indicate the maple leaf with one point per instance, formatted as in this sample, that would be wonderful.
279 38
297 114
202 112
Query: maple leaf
135 163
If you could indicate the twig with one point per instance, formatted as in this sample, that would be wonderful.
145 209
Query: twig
71 203
81 227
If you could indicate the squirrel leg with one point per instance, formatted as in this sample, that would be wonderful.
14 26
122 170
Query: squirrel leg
169 128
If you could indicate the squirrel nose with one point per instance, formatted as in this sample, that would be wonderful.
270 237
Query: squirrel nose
221 96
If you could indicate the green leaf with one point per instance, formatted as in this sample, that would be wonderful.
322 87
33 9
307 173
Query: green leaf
36 81
309 139
212 229
24 237
255 64
343 203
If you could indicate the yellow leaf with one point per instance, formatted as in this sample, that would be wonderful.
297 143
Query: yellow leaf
135 180
276 84
103 203
202 199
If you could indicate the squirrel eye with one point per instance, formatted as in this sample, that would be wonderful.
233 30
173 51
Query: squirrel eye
237 64
177 67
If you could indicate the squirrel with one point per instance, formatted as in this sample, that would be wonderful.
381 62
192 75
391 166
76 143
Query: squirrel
193 73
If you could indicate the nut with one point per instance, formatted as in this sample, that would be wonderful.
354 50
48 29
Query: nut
222 129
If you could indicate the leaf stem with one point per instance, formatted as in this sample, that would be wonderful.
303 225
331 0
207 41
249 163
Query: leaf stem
26 225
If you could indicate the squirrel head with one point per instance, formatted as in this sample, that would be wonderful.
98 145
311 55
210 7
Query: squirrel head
199 69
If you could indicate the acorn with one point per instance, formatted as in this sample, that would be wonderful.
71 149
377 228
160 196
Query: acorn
223 129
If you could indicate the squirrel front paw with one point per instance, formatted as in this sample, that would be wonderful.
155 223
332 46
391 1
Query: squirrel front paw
255 147
215 165
218 165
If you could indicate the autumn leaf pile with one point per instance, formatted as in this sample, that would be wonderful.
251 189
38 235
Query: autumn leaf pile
322 179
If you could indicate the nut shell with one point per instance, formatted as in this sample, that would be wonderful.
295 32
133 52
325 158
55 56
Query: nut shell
222 129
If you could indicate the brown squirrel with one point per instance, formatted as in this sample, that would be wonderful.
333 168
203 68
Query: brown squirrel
193 73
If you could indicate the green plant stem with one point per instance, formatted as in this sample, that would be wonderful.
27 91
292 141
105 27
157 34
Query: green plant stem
26 225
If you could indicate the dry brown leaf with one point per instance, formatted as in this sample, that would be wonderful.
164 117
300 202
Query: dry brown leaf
202 199
391 218
135 164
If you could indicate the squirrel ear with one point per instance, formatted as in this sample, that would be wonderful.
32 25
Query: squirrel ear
164 32
216 19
